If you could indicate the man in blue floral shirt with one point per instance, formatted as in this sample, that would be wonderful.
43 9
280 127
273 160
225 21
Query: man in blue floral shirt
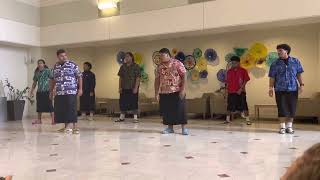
67 81
286 81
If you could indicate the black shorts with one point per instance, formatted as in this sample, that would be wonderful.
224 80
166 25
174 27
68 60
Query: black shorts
287 103
237 102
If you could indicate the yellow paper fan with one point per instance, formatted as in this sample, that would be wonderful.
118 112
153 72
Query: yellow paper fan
174 51
202 64
137 58
247 61
261 63
195 75
258 51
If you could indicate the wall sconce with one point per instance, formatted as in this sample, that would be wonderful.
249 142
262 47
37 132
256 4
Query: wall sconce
107 5
108 8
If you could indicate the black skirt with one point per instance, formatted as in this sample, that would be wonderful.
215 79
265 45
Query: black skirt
87 102
128 100
172 109
44 104
65 109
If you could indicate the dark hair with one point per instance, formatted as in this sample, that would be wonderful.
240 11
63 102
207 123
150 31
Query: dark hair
286 47
131 55
88 64
44 62
165 51
60 51
235 58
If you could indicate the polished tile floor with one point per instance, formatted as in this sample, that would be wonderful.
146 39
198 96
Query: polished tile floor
105 150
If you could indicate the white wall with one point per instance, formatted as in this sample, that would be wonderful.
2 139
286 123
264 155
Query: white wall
220 15
303 39
14 68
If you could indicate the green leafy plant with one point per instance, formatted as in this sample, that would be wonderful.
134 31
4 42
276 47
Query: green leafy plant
15 94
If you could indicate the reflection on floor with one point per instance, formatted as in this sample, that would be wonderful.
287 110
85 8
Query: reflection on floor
105 150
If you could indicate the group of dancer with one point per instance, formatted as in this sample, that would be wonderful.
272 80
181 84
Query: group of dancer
65 82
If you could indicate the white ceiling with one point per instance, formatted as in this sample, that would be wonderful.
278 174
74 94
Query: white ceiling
42 3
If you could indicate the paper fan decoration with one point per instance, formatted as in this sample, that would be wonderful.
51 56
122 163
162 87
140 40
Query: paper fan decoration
137 58
174 51
120 57
210 55
229 56
221 75
194 75
272 57
141 67
258 51
156 58
180 56
197 53
190 62
261 63
229 65
144 77
247 61
240 51
204 74
202 64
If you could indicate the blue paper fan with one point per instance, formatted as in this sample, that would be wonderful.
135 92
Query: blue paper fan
211 55
203 74
221 75
180 56
120 57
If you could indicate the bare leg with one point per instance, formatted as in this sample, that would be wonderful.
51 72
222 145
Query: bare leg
38 121
52 118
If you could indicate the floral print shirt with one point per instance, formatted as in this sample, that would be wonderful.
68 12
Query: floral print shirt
171 75
285 75
66 76
42 78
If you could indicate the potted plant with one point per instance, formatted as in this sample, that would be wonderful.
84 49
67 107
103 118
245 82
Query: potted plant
16 101
3 104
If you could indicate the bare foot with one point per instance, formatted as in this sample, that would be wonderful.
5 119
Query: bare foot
36 122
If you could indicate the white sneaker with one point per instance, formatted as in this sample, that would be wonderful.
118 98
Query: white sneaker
290 131
282 131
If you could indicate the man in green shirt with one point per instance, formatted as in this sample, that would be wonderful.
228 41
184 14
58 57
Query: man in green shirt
129 82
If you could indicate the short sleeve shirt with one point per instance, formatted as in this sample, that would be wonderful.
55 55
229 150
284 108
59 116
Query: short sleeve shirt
129 75
235 78
285 75
42 78
171 75
66 76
